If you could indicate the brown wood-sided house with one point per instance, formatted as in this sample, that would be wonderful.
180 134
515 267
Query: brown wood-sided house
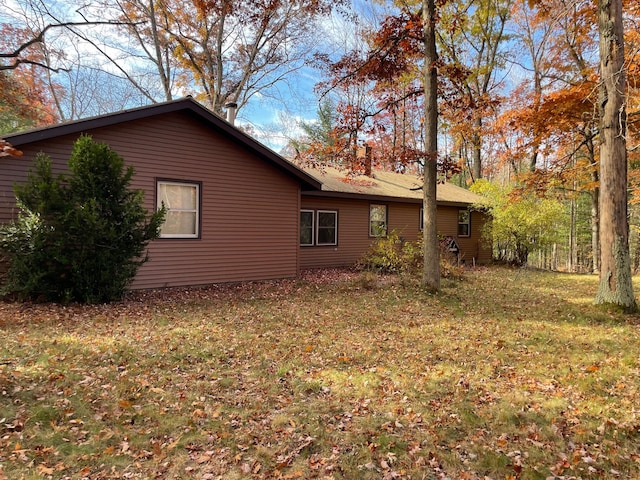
237 211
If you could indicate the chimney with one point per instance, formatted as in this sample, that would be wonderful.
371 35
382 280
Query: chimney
367 160
232 108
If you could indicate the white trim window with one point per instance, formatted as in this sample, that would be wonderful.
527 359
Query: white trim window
464 223
182 203
377 220
327 227
306 227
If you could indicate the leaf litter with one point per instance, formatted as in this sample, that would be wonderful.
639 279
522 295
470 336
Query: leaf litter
326 376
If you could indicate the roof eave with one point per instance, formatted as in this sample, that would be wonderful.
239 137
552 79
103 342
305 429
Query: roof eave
185 104
379 198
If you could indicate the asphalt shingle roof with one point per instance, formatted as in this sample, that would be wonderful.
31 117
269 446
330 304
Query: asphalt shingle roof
388 184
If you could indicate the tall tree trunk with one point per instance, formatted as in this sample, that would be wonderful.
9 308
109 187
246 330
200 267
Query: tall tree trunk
477 155
595 225
477 150
595 201
636 256
615 264
572 257
431 272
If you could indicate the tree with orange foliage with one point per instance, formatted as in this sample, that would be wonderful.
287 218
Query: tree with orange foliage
403 47
550 127
24 98
564 119
6 149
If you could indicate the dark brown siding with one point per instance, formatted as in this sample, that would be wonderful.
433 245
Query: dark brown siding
353 239
249 223
353 231
484 250
472 248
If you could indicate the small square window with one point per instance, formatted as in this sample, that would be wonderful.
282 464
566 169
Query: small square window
182 203
377 220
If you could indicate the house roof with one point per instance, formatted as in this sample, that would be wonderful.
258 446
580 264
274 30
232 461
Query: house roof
329 181
383 185
186 104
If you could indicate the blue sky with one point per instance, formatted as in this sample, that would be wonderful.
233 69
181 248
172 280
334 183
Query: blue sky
273 119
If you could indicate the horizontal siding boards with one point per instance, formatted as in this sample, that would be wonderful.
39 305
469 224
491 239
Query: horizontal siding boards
249 222
448 221
472 248
483 248
404 218
15 169
353 230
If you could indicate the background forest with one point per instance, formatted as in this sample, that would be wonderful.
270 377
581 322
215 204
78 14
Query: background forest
517 91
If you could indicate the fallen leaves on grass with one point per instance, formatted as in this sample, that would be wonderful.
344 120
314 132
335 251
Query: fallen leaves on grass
319 377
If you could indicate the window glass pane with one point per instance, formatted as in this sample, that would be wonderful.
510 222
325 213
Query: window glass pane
306 219
306 236
377 220
327 228
306 228
326 219
464 223
179 223
182 197
326 236
378 213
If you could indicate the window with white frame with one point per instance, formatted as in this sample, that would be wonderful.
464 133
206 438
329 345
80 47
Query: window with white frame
377 220
306 227
464 223
182 203
327 231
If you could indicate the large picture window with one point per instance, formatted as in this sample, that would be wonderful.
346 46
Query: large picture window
306 227
327 233
182 202
464 223
377 220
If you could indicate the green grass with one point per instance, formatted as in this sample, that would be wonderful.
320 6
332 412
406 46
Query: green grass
504 374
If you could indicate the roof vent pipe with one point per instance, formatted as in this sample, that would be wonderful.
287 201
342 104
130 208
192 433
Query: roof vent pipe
232 109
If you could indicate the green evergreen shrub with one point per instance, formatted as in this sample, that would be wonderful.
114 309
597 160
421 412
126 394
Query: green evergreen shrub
81 236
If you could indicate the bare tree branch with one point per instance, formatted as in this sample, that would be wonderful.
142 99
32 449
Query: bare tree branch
39 38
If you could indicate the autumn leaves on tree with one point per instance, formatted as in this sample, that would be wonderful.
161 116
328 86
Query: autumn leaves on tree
544 136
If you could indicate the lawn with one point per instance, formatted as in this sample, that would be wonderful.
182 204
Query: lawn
505 374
